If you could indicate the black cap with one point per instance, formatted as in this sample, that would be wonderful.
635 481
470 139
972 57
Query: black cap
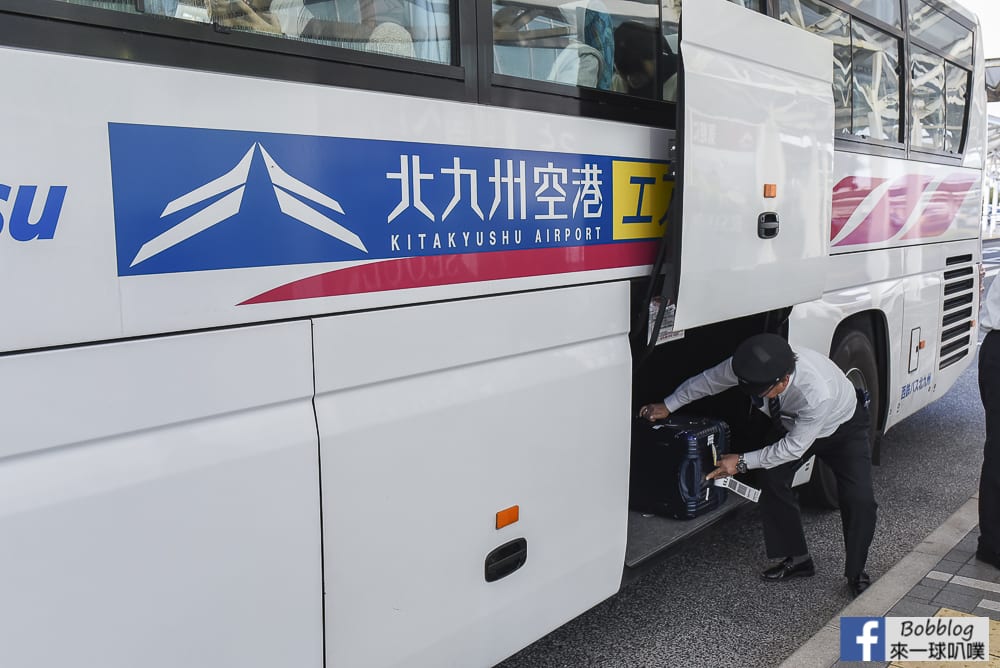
761 361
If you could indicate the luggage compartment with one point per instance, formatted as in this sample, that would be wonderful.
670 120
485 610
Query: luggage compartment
652 535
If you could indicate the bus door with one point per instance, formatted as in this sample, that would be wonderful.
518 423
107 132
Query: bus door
757 140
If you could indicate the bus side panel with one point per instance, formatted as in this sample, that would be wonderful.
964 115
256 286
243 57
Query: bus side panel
163 213
432 420
757 111
905 286
159 504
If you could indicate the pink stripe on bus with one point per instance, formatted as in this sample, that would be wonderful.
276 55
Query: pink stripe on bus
847 197
942 207
891 212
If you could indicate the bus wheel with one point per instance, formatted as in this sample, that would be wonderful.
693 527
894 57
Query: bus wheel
853 352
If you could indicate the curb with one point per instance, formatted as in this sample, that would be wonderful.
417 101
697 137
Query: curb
823 649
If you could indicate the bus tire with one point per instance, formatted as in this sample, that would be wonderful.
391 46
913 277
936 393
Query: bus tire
854 353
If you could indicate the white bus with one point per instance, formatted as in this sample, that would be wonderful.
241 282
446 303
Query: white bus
323 323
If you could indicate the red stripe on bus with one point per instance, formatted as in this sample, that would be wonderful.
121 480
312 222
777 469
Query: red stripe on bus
432 270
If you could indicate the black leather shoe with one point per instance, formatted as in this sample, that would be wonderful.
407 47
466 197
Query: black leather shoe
786 571
988 556
858 584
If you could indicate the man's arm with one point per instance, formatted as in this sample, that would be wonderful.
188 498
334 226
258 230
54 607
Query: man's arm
711 381
794 444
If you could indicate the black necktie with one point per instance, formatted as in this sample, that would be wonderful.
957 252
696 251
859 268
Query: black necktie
774 408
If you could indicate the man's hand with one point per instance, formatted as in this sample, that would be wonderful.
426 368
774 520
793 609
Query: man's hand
727 467
654 412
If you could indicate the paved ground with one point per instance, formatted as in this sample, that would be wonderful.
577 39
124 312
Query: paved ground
940 578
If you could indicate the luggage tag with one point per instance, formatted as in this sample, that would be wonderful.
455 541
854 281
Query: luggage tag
735 486
715 462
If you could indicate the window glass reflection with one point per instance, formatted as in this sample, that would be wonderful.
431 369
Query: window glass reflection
957 87
822 19
624 46
931 26
876 83
928 80
884 10
583 43
992 82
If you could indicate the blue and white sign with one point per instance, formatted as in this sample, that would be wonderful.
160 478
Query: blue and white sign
196 199
862 639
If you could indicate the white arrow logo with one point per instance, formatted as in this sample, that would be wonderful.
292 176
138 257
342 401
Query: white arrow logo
235 180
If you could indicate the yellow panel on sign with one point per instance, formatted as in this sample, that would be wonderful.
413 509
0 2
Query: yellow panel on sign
641 195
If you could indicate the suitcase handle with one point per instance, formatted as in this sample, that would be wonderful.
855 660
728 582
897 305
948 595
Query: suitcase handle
687 479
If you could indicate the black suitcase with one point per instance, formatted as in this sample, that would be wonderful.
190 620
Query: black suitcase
670 460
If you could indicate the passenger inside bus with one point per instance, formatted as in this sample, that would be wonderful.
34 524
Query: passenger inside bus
376 26
391 27
255 15
588 60
644 61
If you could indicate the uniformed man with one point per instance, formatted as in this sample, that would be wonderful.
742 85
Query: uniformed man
820 413
989 391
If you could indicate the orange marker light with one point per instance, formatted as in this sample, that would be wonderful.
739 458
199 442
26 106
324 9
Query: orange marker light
507 516
923 344
770 190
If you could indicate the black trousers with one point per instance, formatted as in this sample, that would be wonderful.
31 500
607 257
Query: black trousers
989 480
846 451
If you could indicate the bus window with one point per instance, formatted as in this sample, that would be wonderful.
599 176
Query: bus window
755 5
822 19
865 65
632 49
875 105
939 31
993 80
190 10
405 28
927 75
409 28
565 42
939 96
940 84
884 10
117 5
957 81
583 44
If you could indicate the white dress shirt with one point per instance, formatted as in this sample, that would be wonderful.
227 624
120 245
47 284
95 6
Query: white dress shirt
292 15
990 316
819 398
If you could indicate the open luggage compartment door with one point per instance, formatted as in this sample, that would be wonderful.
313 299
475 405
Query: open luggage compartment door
758 117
